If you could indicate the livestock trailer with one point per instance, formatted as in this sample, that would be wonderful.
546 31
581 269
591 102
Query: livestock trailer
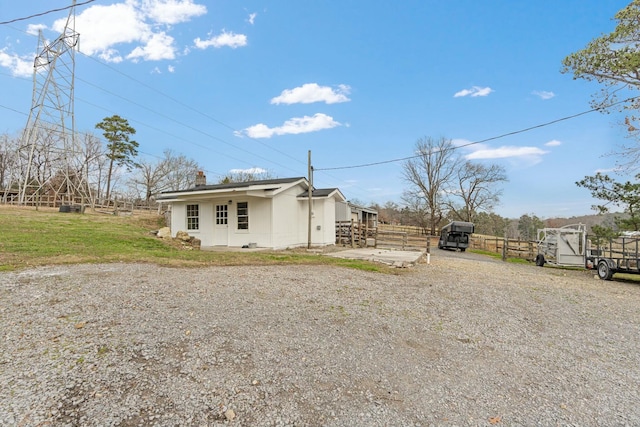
455 235
564 246
570 246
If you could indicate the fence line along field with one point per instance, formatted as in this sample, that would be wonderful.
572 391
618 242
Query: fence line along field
404 237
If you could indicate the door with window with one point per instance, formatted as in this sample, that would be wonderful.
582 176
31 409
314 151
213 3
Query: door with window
221 229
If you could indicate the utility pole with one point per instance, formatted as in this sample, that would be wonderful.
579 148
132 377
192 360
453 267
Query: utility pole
310 194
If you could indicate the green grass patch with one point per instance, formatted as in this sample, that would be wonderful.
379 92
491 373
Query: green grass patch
30 237
627 277
499 256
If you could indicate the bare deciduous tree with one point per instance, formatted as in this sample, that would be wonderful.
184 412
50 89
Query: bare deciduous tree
9 170
475 187
430 175
172 172
245 175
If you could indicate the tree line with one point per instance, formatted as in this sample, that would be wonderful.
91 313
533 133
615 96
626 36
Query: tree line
83 167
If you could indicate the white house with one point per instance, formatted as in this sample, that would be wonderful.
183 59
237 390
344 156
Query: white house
270 213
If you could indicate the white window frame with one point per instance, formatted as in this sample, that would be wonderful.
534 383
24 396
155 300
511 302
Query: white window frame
243 219
193 221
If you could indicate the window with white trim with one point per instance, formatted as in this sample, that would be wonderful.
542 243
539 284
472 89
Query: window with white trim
193 217
243 215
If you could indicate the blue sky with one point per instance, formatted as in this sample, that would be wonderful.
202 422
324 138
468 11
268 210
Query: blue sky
255 85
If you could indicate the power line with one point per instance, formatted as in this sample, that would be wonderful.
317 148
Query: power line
182 124
188 106
170 119
573 116
45 13
167 133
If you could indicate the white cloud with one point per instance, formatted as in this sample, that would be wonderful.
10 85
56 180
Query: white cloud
473 92
312 92
543 94
553 143
102 27
224 39
159 46
295 125
19 66
172 11
252 18
156 70
253 171
505 152
34 29
606 171
171 69
142 23
517 156
110 55
461 142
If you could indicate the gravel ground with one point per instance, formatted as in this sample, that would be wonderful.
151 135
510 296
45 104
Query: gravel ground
455 343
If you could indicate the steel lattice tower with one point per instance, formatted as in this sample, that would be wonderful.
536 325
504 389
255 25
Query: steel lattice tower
51 123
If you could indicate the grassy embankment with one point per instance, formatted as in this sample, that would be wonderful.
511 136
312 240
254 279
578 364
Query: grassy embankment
30 237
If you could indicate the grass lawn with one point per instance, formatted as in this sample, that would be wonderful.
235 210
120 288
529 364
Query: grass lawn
30 237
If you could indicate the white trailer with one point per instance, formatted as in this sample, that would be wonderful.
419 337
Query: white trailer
564 246
569 246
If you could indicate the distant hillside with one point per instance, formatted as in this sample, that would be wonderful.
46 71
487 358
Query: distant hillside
588 220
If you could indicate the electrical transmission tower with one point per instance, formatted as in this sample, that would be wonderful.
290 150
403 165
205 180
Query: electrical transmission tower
49 139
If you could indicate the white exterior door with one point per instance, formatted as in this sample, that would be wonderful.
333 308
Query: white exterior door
221 229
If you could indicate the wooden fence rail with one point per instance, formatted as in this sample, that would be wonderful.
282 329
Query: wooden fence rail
509 248
50 201
355 234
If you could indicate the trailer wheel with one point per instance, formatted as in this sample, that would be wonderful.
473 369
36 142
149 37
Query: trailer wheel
604 271
540 260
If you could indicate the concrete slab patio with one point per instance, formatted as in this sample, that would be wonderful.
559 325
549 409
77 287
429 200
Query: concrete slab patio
386 256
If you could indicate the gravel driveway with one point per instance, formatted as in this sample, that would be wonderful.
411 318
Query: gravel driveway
455 343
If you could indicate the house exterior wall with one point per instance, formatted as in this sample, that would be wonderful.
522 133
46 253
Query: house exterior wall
260 218
178 218
277 221
324 216
205 221
287 219
329 226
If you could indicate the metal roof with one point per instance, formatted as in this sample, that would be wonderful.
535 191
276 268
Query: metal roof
233 185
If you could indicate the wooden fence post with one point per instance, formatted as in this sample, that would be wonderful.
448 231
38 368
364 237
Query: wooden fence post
353 232
504 249
365 229
531 255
